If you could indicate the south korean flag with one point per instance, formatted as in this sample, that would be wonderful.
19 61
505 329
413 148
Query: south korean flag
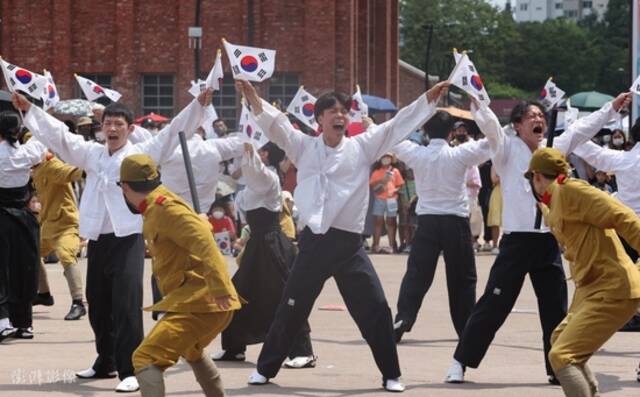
303 106
550 94
50 94
250 63
635 87
249 129
466 77
21 79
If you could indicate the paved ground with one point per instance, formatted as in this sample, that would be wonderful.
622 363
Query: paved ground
512 367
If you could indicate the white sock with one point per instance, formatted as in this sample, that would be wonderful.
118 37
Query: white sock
5 323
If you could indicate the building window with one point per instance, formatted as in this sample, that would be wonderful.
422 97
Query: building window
558 6
283 87
225 102
524 7
571 14
157 94
103 80
587 4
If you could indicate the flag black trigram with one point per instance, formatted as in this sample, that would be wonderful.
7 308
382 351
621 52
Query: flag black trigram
237 53
262 73
236 69
262 57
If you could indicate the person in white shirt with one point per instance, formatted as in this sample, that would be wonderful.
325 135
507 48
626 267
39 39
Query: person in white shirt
19 230
626 167
266 261
443 223
332 196
206 156
523 248
115 256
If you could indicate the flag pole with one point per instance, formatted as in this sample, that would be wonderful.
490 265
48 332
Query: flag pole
189 168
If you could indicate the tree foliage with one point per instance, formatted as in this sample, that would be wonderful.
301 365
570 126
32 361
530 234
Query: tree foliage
516 58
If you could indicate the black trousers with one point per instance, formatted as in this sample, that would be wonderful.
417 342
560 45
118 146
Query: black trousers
114 293
19 265
536 254
451 236
340 255
633 254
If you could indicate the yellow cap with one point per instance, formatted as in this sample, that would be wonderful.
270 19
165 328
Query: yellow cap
84 120
138 168
548 161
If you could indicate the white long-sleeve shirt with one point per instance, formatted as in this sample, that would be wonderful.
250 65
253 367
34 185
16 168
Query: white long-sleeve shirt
139 134
102 208
205 161
333 183
263 186
626 166
511 156
16 162
440 173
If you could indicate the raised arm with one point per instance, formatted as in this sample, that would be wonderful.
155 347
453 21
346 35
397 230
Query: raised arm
473 153
601 158
139 134
379 139
491 128
161 147
408 152
54 134
274 123
258 177
229 147
582 130
62 173
28 155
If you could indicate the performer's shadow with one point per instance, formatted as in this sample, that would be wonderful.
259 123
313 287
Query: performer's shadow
275 389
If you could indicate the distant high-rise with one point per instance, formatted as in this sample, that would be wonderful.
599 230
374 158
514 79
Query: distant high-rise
541 10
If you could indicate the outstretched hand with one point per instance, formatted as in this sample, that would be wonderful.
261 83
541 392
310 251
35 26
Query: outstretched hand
205 97
248 149
20 102
249 92
435 92
622 101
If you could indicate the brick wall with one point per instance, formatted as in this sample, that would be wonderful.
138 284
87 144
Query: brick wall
332 43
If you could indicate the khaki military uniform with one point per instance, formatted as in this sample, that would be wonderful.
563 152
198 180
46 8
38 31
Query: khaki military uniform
190 271
585 221
59 218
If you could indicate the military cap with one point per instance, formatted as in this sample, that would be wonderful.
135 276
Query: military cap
138 168
547 161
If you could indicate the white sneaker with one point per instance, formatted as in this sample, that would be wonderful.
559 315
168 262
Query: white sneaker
486 247
394 385
223 355
128 385
301 362
456 373
257 379
90 373
495 251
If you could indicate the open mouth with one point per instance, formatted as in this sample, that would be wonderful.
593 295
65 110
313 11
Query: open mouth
112 137
537 130
338 126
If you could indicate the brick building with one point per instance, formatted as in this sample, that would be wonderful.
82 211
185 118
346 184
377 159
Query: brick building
141 48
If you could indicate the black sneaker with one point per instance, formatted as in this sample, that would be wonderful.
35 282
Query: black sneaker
24 333
632 325
43 299
553 380
7 333
76 311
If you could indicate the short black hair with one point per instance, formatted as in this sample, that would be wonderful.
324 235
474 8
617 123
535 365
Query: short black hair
328 100
439 126
118 110
275 154
9 126
145 186
634 132
521 108
217 120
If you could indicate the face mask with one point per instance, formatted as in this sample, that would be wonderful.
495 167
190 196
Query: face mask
385 161
606 138
218 214
618 141
461 138
132 208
